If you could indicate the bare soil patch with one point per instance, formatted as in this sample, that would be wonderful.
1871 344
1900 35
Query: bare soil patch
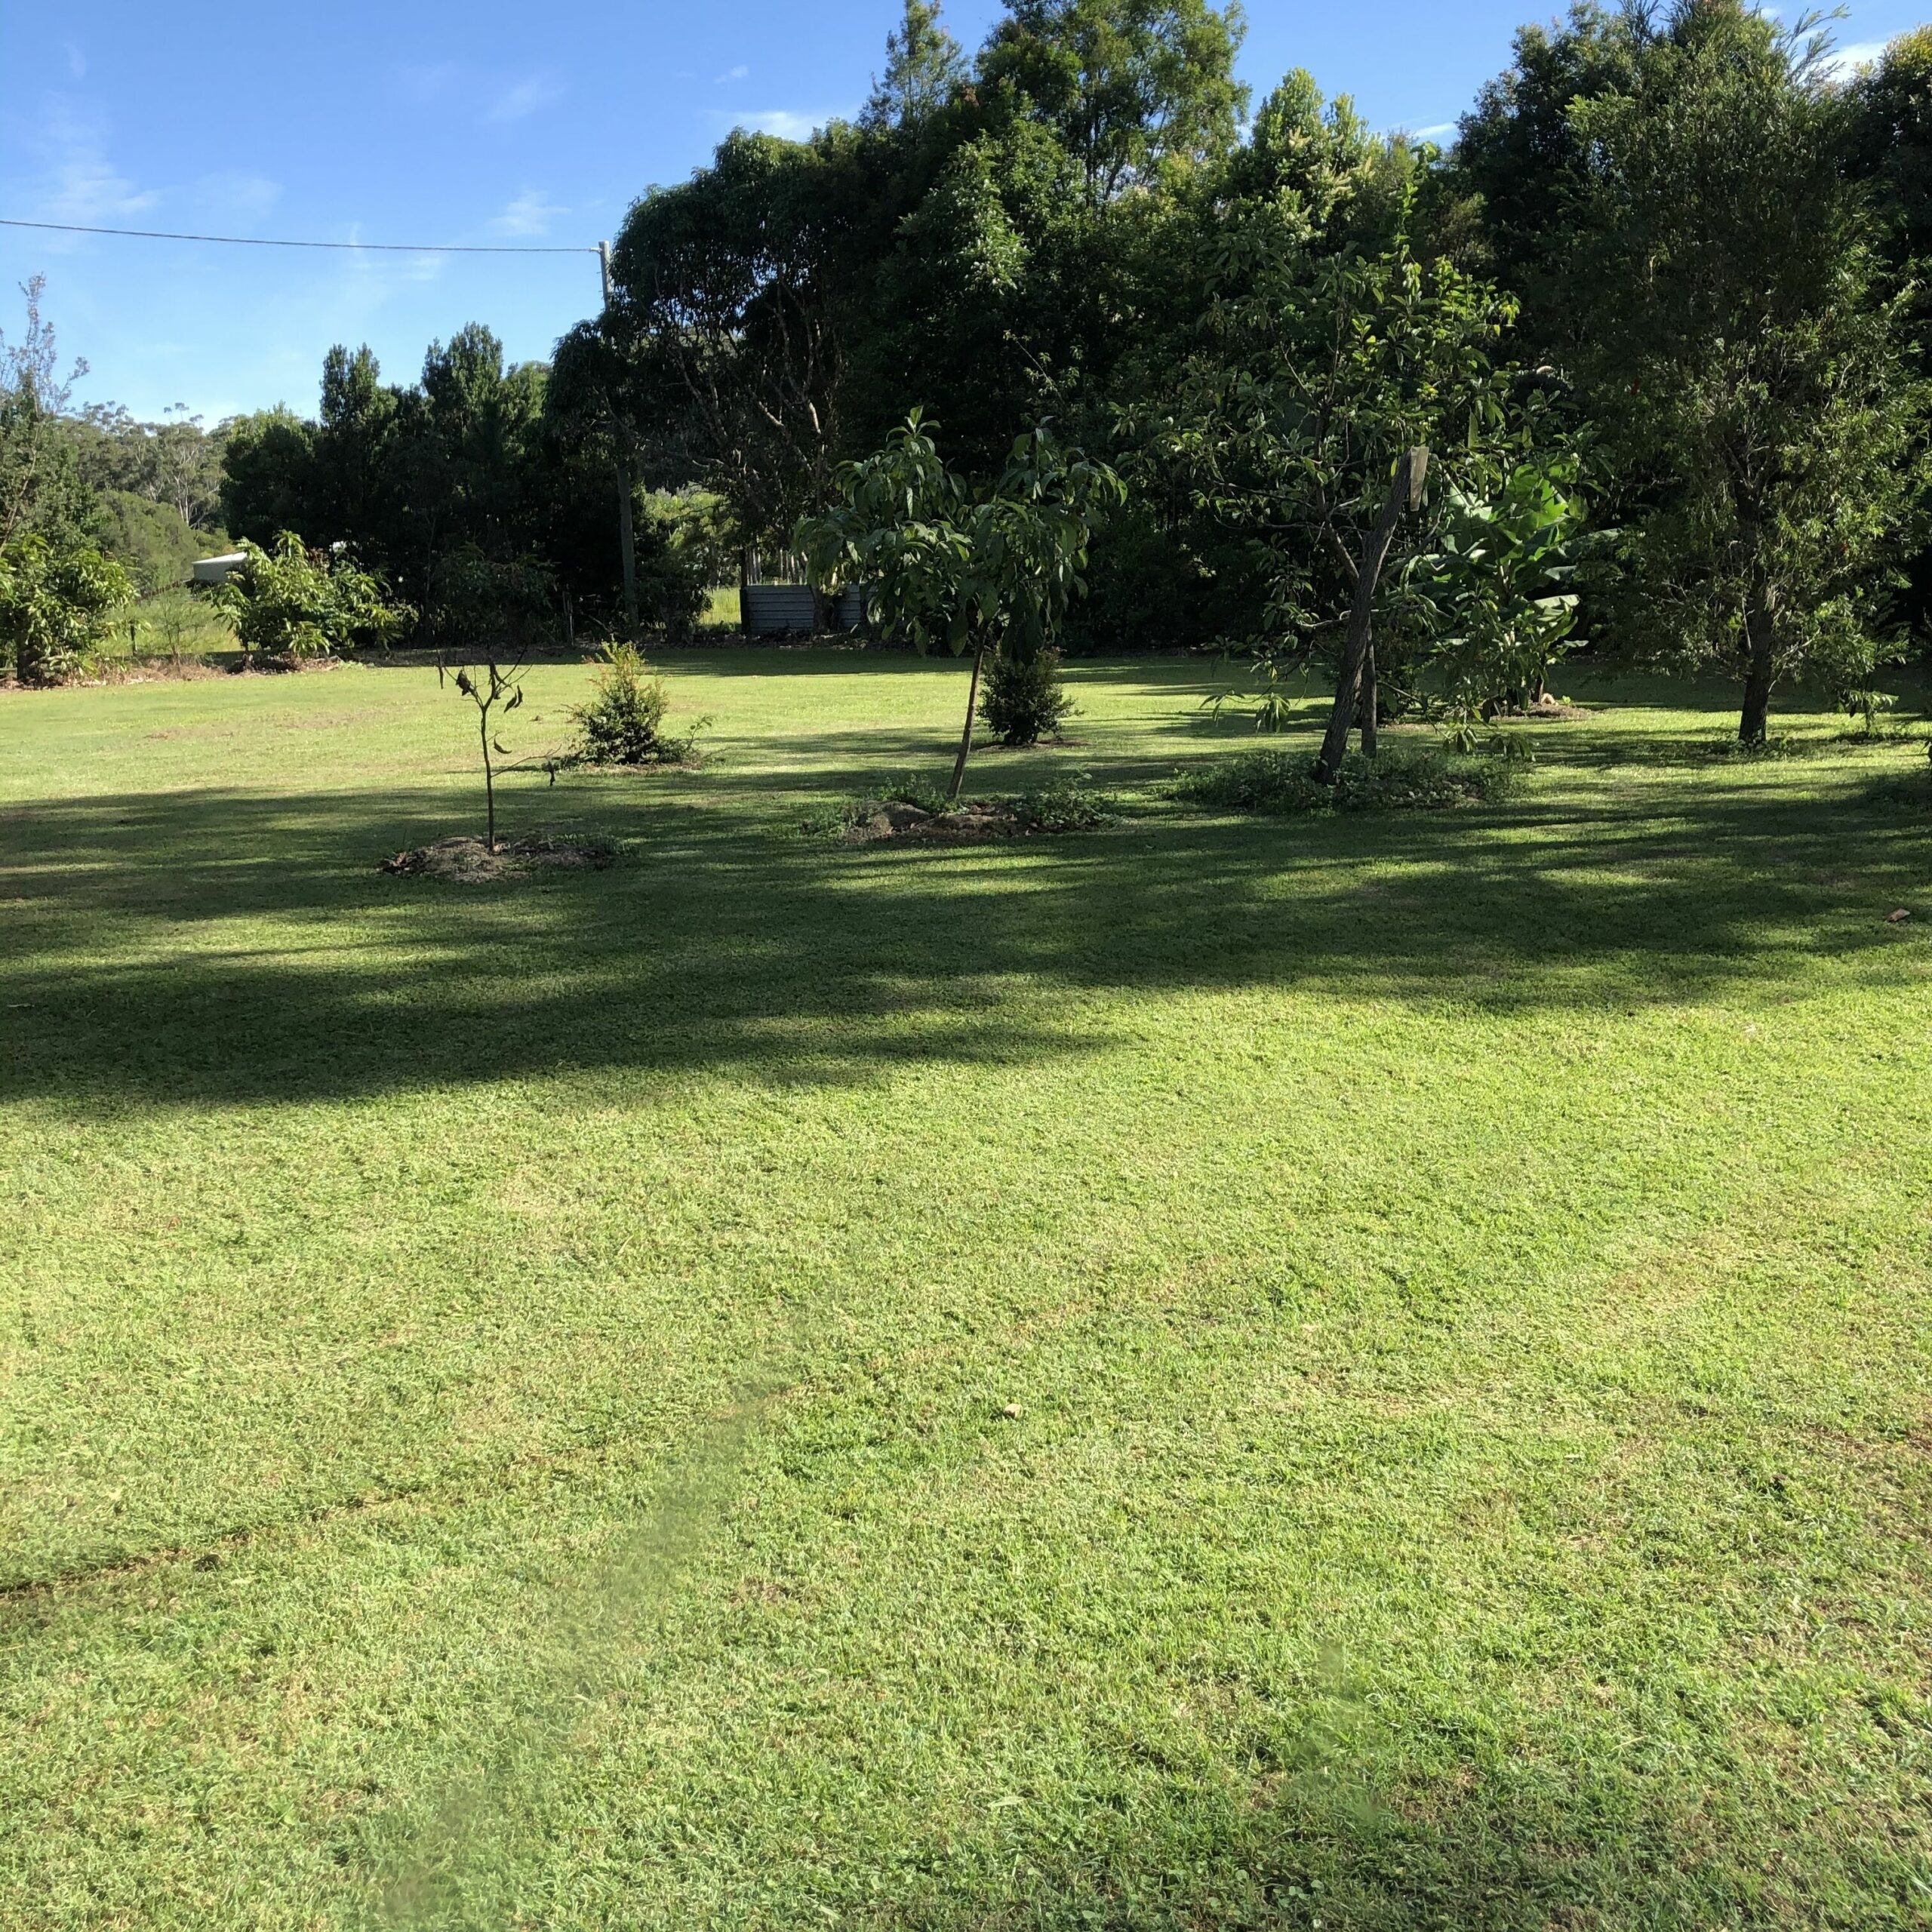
469 861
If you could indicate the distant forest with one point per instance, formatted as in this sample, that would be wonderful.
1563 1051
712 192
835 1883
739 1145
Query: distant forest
1698 240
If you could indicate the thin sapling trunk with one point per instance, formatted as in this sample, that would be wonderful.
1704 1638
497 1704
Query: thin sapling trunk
500 686
966 736
489 778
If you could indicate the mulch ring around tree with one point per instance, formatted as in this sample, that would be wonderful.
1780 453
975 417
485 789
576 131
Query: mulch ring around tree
888 821
470 862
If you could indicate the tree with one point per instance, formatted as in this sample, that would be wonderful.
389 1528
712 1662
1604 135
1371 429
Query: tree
56 587
496 685
1306 418
1519 150
1742 353
54 606
356 452
591 423
1891 104
268 477
991 570
923 65
1130 85
1891 143
727 292
42 491
184 467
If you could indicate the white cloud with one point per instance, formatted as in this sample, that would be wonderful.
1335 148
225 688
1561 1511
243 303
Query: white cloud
531 214
1436 130
1842 62
731 74
787 123
526 98
77 182
77 61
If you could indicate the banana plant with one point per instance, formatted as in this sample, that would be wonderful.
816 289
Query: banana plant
1494 595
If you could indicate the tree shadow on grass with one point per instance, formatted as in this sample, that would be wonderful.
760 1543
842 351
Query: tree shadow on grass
182 946
1511 1850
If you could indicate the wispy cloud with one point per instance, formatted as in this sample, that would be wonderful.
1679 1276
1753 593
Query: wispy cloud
788 123
374 278
731 74
530 215
427 84
237 197
1436 130
527 97
77 61
76 180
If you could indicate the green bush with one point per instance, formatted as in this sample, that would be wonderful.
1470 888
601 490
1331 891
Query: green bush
54 607
478 602
623 723
1284 782
685 545
1023 701
911 789
293 602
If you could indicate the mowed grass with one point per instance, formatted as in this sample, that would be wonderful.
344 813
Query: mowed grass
1222 1373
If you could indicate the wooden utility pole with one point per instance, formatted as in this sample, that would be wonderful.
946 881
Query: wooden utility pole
627 535
1404 492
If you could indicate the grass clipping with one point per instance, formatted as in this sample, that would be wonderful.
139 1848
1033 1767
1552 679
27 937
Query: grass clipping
1284 782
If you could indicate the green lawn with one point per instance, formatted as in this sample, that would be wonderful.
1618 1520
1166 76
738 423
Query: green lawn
1371 1372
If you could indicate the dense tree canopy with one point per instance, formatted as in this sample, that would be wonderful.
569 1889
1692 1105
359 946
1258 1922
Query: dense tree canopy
1693 243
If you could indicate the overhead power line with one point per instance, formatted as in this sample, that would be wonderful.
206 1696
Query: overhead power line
601 250
275 241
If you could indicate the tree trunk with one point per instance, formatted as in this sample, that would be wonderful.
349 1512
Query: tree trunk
1404 492
966 736
744 583
1759 612
489 783
1370 698
627 537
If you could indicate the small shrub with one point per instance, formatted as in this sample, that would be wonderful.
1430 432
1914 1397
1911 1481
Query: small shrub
1023 702
1065 804
1284 782
908 788
1864 706
834 821
623 723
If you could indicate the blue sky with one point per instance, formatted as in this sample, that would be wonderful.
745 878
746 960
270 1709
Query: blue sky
420 121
